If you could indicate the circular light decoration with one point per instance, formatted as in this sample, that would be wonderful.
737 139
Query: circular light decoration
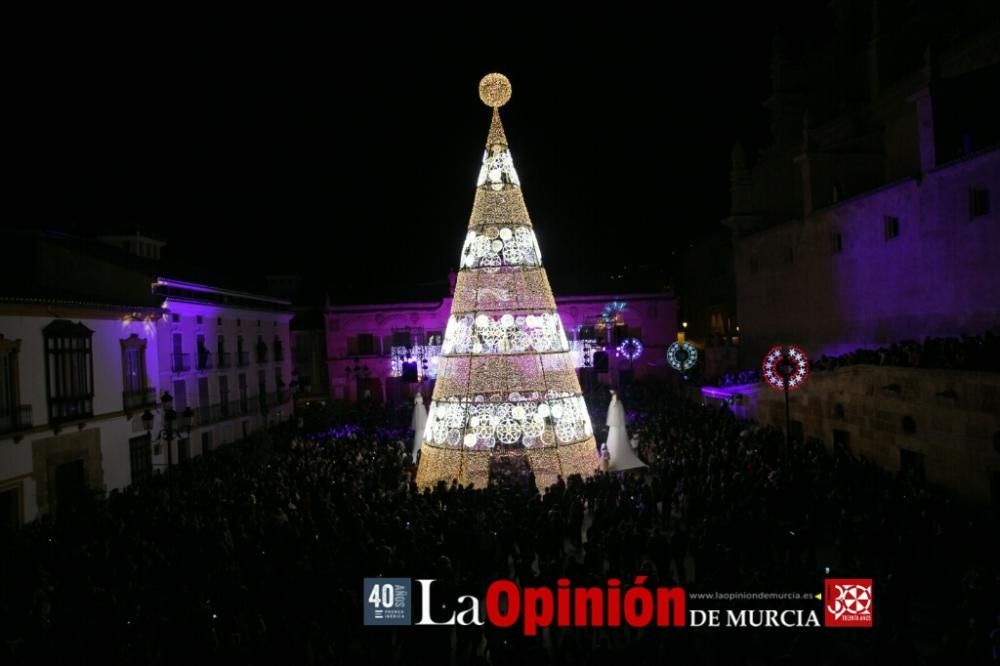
494 90
785 364
630 348
682 356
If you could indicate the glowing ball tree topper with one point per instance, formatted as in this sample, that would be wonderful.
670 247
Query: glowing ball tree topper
630 348
785 368
682 356
494 90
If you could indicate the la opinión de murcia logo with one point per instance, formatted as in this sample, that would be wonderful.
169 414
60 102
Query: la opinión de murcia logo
534 608
848 602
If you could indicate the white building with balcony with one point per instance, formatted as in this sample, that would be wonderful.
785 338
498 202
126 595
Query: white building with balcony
89 345
226 355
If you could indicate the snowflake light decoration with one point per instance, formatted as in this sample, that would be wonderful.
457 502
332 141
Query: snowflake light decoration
611 315
783 365
630 349
682 356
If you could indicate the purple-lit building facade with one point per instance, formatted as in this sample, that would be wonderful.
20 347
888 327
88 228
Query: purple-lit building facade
366 344
873 215
914 258
226 354
90 340
872 219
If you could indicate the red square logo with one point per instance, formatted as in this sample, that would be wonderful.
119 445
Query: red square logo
847 602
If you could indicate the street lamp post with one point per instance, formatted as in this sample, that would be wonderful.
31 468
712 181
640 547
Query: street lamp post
784 368
170 429
361 373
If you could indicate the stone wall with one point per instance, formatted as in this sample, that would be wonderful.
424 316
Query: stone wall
839 281
948 420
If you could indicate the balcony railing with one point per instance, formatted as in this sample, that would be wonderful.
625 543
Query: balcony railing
204 359
16 417
266 401
225 360
138 399
71 408
180 362
243 359
221 411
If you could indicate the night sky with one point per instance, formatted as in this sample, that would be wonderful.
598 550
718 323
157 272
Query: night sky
254 152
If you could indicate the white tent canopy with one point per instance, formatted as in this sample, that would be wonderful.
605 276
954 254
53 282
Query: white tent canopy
619 447
418 423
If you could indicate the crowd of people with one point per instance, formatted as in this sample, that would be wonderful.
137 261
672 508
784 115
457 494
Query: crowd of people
255 553
969 352
739 378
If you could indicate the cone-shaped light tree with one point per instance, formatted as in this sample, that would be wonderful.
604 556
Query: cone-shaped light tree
506 384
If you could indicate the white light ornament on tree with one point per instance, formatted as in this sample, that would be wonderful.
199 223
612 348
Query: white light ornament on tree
506 382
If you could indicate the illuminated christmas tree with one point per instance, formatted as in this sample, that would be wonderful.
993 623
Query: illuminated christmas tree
506 384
